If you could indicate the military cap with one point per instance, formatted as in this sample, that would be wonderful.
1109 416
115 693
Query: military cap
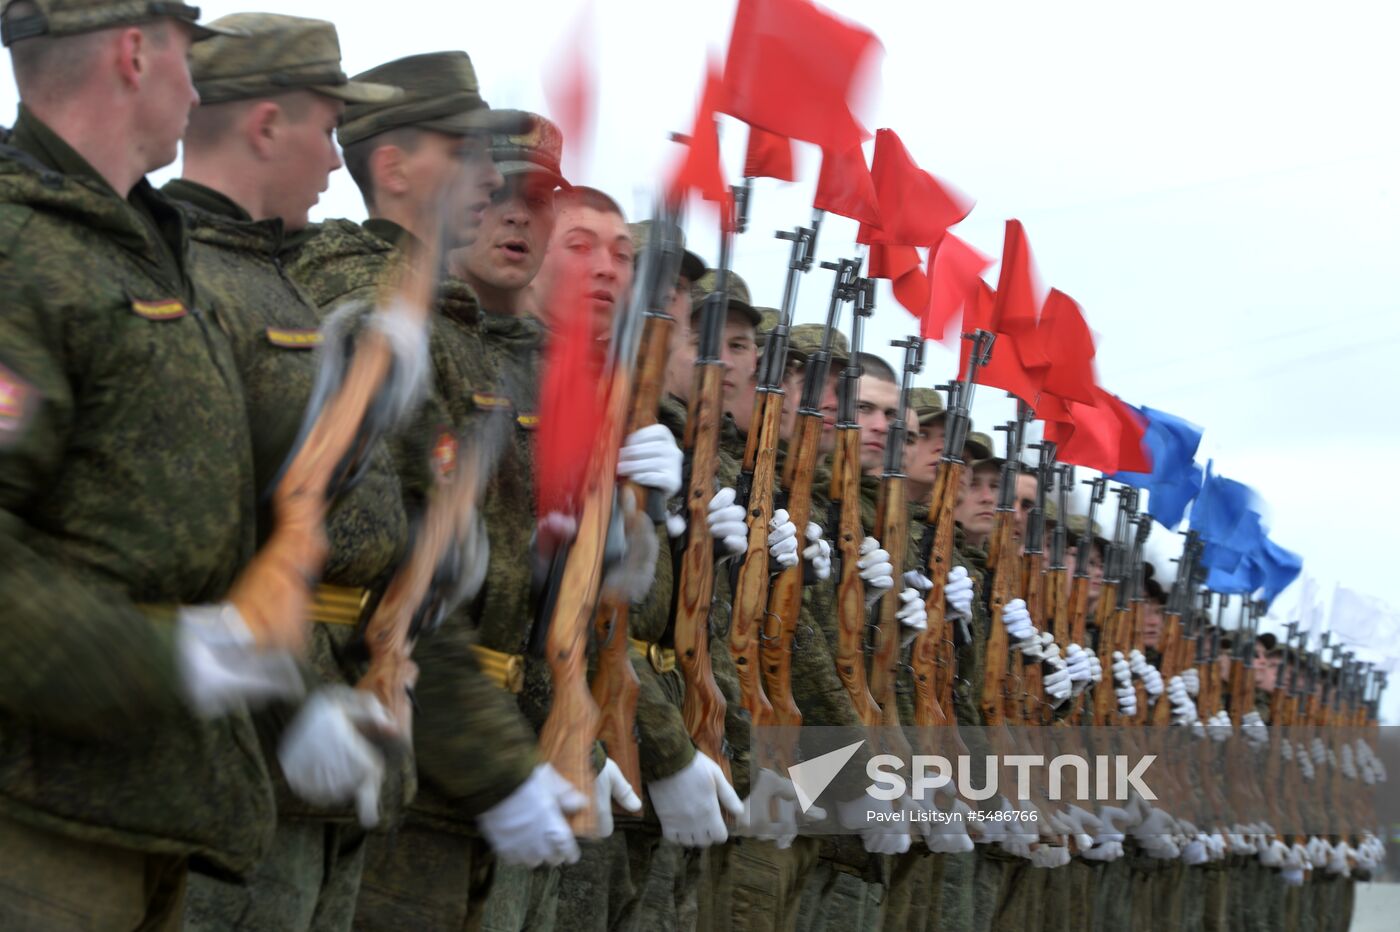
692 267
739 299
807 339
927 404
1268 640
979 446
440 93
1077 524
71 17
273 55
537 149
768 319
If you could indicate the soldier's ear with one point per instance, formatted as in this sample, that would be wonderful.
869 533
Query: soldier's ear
389 169
261 127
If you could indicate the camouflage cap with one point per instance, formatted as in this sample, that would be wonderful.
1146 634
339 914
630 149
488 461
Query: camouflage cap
537 149
978 446
807 339
692 267
927 404
71 17
1076 525
276 54
739 299
440 93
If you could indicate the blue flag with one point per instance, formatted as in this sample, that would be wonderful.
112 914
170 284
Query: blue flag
1176 477
1279 567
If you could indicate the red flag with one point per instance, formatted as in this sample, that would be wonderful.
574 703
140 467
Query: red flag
954 274
1070 346
1053 409
1018 305
791 70
903 266
844 186
569 418
700 167
1006 370
769 156
1133 454
915 208
1107 436
571 90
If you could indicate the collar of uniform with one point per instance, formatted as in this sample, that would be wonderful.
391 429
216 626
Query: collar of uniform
391 232
32 136
457 300
206 199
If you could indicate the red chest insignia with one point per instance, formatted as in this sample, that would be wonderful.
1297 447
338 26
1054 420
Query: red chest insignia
445 455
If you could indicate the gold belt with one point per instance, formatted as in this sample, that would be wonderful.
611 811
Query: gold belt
505 670
339 605
662 659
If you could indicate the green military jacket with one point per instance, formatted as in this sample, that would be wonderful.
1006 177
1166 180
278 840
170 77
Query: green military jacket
472 746
274 331
126 489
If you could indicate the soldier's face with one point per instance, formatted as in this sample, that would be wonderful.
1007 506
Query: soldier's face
1151 623
829 412
166 94
923 458
303 156
680 365
792 385
588 265
875 412
1026 489
514 232
459 171
739 352
977 509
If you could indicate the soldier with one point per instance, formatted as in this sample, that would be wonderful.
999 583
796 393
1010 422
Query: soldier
126 483
256 157
436 869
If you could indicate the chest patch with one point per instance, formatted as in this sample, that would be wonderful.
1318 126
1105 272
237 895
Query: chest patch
294 339
445 455
169 309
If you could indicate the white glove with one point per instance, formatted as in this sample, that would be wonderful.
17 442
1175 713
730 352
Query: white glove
1305 764
1080 670
1348 762
1183 707
912 615
1273 853
324 753
1219 727
1292 876
1254 729
1194 851
878 836
1115 822
1095 668
1057 682
1067 822
946 833
1318 852
1017 620
688 803
1338 862
726 522
818 552
609 787
1050 856
782 539
528 827
1240 844
1108 851
221 670
958 592
875 569
1150 676
650 457
772 811
1319 751
1192 679
917 580
1156 834
1123 685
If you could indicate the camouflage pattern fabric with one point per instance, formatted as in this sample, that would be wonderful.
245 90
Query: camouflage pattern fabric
424 877
115 492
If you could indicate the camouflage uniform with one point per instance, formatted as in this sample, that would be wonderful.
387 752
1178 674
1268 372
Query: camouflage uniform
122 499
311 876
435 871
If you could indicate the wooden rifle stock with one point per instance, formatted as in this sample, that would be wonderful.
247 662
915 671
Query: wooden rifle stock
785 599
1105 699
615 686
1033 592
750 608
1170 644
932 657
850 590
892 526
1002 564
703 706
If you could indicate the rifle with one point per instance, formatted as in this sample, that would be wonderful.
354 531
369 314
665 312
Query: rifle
571 727
845 505
757 486
892 527
703 707
997 691
1173 635
615 686
1057 587
1079 586
933 657
799 468
1137 598
1106 612
1033 579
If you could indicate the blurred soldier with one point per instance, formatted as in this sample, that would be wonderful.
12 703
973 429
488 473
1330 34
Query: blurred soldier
1027 490
126 488
435 870
257 155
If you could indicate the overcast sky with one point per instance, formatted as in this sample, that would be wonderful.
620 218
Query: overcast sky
1213 182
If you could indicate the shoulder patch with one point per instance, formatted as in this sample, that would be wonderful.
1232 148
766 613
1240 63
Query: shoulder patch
13 217
168 309
294 339
16 405
445 455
